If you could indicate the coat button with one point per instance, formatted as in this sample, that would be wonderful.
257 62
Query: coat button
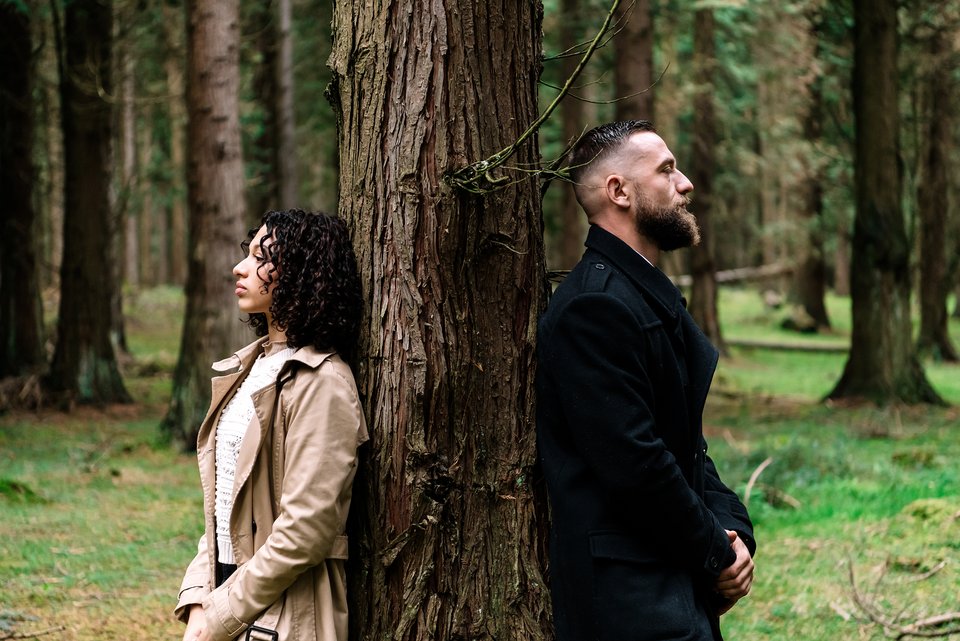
600 266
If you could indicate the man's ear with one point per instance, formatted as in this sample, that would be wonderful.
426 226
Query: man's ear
617 190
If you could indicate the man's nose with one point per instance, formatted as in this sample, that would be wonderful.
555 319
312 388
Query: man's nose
684 186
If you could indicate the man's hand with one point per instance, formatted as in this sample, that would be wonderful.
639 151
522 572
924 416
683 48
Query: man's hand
734 581
196 625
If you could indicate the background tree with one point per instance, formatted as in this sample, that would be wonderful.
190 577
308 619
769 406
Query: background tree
633 71
933 207
84 364
211 326
572 115
21 315
882 364
809 286
451 523
703 295
173 52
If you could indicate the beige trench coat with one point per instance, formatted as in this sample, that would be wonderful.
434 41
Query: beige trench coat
292 492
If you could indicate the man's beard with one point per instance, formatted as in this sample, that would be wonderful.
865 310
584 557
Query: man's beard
668 228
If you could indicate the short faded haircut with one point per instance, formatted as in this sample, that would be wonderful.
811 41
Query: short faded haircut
600 142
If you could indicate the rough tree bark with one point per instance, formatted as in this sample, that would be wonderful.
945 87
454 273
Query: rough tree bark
211 326
882 365
703 294
84 364
451 520
21 316
933 207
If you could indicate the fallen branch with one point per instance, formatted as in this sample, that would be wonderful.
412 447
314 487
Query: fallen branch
929 573
921 628
753 479
4 636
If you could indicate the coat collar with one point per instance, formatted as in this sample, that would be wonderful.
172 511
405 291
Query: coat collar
647 277
700 355
243 358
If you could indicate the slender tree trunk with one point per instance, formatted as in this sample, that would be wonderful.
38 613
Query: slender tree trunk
841 266
150 272
130 213
703 296
810 275
451 514
84 364
882 365
933 206
176 245
633 67
51 209
21 314
264 192
572 221
211 326
286 150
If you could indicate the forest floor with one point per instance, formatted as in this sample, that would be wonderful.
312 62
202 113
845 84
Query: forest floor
98 517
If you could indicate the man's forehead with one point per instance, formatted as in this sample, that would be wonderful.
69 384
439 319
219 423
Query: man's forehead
648 144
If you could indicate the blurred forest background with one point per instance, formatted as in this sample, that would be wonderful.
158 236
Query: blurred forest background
142 138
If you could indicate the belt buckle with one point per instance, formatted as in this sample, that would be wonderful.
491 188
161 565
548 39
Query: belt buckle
269 635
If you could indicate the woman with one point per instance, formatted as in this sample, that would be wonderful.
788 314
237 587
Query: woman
278 448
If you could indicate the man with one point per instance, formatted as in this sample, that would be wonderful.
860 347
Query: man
646 542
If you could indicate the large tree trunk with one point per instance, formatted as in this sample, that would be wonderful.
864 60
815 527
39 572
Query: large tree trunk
211 326
84 364
633 67
933 207
703 295
882 365
21 316
451 516
176 246
573 222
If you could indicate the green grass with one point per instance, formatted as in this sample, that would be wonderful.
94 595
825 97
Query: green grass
98 520
875 488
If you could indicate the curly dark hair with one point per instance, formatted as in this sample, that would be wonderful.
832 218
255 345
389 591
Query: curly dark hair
316 300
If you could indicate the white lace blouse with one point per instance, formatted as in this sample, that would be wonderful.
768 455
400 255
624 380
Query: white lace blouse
234 420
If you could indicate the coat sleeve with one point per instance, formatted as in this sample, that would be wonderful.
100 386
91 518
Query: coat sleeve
726 505
324 426
596 357
196 581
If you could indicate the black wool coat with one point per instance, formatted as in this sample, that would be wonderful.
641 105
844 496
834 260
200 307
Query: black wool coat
638 509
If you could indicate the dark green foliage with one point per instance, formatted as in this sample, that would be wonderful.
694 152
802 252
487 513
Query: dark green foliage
17 492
